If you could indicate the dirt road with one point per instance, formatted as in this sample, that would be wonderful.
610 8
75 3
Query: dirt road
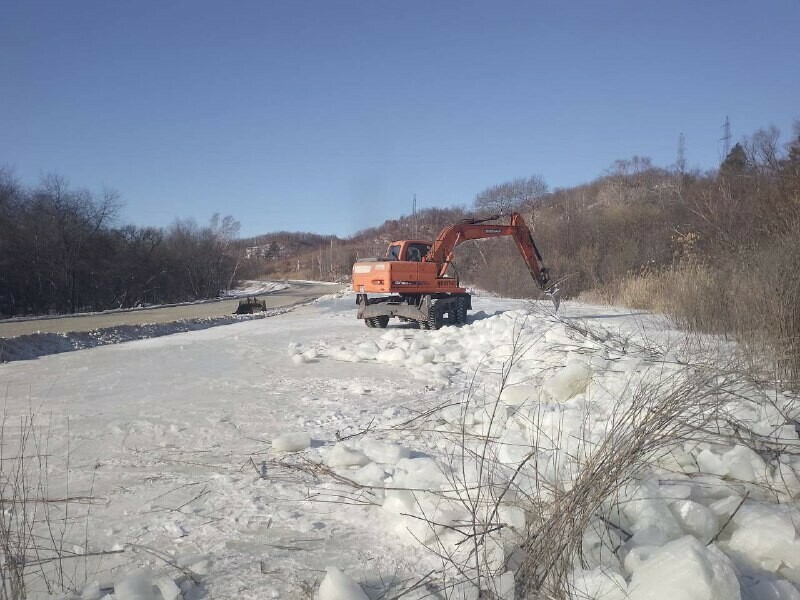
296 293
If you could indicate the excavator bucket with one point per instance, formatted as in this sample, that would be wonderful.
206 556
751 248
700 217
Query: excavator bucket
555 297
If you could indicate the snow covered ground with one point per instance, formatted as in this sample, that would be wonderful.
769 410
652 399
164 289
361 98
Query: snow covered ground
308 454
255 288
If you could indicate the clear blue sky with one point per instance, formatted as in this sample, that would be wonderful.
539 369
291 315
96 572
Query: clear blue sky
327 116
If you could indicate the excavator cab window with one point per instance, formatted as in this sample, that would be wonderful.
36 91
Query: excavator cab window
416 252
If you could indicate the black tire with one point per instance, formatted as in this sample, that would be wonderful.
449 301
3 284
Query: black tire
435 315
452 314
380 322
461 310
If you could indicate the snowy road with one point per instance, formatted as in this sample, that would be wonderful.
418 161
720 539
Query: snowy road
277 295
168 436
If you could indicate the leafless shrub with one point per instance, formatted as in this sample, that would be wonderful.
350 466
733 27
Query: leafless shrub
43 525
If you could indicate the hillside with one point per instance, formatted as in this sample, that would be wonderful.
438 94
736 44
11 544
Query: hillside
711 249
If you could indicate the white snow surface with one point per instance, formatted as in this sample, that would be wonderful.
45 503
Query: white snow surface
255 288
265 458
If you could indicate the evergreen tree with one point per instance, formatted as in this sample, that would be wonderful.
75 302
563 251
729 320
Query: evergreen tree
735 163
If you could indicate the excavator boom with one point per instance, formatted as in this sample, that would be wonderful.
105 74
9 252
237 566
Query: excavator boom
442 250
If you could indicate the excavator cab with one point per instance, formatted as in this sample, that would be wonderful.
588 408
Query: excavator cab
408 250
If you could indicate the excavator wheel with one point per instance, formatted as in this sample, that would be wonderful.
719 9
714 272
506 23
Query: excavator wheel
380 322
435 316
461 311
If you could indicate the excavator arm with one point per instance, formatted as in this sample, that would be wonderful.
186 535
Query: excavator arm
475 229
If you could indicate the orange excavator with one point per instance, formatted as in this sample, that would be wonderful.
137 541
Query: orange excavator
414 281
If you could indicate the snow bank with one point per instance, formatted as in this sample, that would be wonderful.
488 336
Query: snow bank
544 396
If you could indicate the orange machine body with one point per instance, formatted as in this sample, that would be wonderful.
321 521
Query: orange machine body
412 282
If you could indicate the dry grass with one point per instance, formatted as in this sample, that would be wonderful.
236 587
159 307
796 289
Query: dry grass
753 296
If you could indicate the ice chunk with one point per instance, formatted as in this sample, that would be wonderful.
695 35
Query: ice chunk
638 556
672 492
367 350
339 586
724 507
384 452
391 355
695 519
568 382
762 587
744 464
371 475
198 564
645 508
649 536
91 591
515 395
343 354
291 442
136 586
493 555
514 447
786 479
504 586
400 502
598 583
418 473
513 517
464 590
765 536
559 335
685 569
421 357
299 359
342 455
711 463
167 587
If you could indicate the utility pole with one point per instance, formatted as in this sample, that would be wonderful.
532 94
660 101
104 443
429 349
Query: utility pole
414 217
726 139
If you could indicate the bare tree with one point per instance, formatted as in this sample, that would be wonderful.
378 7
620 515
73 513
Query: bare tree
511 195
